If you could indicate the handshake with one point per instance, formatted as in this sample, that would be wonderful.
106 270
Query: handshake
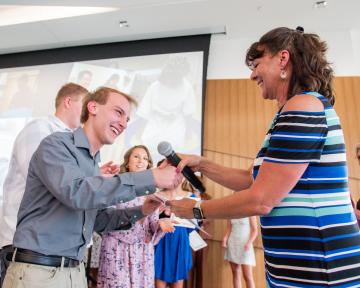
153 202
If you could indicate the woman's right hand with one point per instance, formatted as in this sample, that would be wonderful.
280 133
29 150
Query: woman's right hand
192 161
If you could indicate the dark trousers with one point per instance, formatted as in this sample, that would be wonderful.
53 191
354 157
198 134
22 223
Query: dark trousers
4 263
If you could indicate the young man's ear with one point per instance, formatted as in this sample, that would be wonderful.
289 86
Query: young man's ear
67 101
92 108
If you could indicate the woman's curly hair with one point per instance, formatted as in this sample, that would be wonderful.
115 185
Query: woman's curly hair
311 70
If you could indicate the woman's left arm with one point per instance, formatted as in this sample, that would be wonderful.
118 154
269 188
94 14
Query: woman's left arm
273 182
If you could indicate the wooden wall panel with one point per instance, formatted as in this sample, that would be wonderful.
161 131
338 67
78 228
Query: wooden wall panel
236 120
216 270
209 117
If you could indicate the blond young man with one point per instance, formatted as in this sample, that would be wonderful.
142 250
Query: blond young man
66 198
68 105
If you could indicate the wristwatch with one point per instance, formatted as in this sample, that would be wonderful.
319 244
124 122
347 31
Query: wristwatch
198 213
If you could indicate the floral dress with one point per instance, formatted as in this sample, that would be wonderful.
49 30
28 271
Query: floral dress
127 256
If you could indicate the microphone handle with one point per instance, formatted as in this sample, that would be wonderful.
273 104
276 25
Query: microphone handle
174 159
187 172
189 175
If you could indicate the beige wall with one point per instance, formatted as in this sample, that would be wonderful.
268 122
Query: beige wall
236 120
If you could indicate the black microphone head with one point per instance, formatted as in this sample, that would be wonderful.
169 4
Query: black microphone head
164 148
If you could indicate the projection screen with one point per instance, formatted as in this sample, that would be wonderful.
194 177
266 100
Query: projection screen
165 76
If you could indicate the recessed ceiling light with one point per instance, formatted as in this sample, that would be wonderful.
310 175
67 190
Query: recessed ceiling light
123 24
320 4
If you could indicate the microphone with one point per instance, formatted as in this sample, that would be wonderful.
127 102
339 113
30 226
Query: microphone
165 149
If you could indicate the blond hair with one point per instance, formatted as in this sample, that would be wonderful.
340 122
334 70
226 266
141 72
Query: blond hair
72 90
101 96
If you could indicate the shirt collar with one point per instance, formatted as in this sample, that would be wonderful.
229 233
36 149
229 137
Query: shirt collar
81 141
57 122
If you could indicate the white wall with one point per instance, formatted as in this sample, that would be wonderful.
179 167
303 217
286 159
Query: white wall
226 56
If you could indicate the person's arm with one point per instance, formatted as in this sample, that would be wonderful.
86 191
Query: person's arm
28 141
274 180
227 234
121 219
273 183
253 232
232 178
59 171
116 219
158 227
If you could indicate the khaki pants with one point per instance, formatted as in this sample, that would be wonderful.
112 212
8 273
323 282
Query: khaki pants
4 263
23 275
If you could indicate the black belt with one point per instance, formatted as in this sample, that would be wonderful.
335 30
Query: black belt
6 247
31 257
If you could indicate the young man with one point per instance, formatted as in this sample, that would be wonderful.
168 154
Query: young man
68 105
66 198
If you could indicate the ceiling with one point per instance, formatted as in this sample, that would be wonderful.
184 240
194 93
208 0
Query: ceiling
164 18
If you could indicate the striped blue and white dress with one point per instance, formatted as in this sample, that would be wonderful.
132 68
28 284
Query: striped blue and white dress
311 239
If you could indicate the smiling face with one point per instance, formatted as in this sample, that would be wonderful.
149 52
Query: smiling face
110 119
138 160
261 73
266 72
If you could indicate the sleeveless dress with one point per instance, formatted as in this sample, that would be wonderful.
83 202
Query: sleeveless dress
240 233
311 239
173 255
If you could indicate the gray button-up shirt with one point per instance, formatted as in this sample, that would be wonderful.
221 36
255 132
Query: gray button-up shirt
66 199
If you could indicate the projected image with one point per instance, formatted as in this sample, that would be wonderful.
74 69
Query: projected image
167 87
17 93
168 91
168 109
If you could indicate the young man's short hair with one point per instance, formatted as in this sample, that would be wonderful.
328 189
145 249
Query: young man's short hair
101 96
72 90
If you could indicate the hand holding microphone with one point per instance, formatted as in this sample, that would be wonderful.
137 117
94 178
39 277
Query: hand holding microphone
165 149
166 177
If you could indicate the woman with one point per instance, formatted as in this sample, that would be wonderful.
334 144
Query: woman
173 255
357 206
127 257
309 229
238 243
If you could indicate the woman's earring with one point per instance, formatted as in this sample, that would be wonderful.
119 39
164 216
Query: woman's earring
283 74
